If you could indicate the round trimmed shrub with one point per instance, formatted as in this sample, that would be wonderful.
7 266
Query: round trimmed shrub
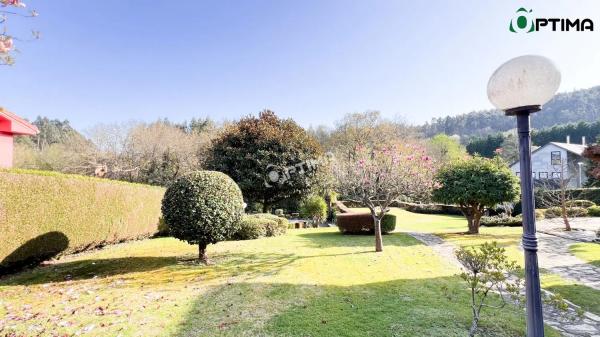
203 207
580 203
274 224
594 211
252 228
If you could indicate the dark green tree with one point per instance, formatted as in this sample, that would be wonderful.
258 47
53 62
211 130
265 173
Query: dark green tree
271 159
485 146
475 184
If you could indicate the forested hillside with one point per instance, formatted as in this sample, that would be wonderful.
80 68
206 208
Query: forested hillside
580 105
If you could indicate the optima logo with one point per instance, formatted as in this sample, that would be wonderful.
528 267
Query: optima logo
523 22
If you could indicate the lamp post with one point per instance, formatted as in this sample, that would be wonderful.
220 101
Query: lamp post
520 87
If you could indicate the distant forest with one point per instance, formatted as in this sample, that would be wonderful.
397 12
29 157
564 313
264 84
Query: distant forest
572 107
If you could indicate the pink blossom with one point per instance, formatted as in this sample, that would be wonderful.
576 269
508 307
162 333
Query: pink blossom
15 3
6 44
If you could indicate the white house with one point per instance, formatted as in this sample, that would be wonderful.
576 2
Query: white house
555 161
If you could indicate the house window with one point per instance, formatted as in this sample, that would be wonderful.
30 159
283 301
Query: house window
533 175
543 175
518 174
555 158
556 175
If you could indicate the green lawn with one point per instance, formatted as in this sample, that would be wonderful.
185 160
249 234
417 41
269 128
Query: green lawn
452 228
427 223
306 283
589 252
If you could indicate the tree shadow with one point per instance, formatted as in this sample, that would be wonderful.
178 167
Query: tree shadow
393 308
41 248
336 239
164 269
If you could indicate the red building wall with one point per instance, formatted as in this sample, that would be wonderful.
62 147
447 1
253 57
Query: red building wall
6 149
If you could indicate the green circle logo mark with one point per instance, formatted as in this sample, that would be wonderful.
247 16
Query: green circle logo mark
522 22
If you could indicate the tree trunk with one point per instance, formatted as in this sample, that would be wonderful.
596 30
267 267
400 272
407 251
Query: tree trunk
473 328
473 219
202 257
563 205
378 238
565 217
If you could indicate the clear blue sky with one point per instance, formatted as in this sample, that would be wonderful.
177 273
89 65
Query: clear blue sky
313 60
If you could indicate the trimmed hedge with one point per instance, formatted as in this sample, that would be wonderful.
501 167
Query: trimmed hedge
580 203
280 227
493 221
251 228
362 223
573 212
254 226
429 208
43 214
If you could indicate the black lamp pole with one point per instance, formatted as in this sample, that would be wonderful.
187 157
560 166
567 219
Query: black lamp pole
535 319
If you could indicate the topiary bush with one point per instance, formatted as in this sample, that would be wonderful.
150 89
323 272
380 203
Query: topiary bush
362 223
203 207
47 213
314 208
251 228
580 203
572 212
594 211
275 225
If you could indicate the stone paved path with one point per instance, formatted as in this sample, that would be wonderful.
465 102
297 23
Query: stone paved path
551 248
554 255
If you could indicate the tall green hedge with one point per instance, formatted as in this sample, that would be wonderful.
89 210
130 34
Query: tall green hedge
46 213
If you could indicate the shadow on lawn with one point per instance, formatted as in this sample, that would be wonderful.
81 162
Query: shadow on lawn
395 308
336 239
162 269
41 248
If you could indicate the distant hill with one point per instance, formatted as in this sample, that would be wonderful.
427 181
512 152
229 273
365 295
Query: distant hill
579 105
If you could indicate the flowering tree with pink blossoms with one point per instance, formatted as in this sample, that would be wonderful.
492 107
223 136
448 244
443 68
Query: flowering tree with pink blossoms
376 177
9 9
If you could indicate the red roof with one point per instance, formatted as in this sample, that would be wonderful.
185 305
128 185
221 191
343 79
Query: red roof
11 123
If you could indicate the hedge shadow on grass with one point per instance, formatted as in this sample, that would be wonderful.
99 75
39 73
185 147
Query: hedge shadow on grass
337 239
408 307
41 248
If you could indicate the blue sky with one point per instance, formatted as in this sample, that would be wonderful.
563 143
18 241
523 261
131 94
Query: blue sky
312 60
